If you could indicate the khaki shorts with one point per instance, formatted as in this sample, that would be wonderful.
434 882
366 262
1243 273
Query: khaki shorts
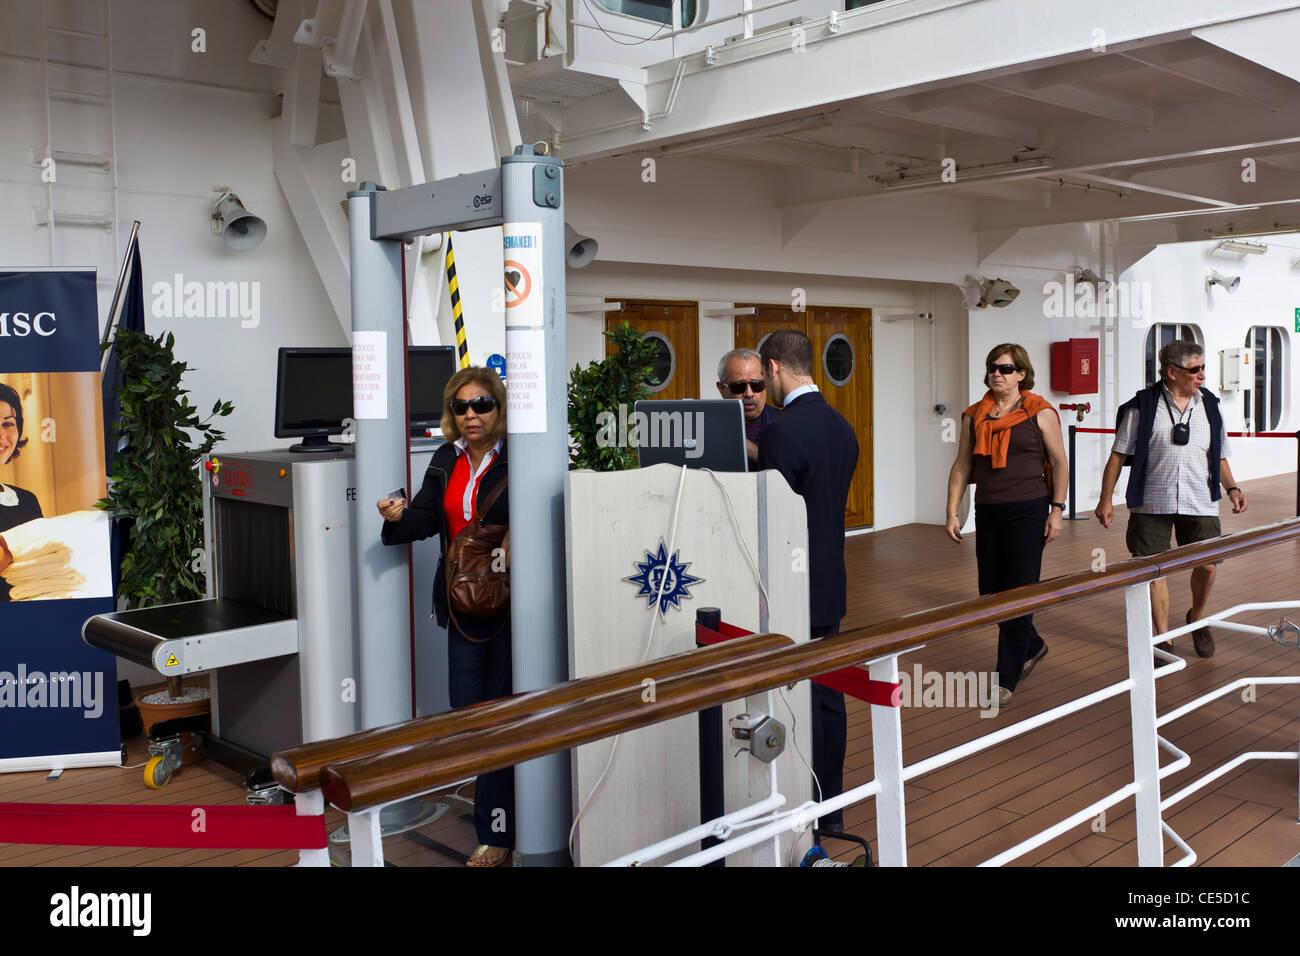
1149 534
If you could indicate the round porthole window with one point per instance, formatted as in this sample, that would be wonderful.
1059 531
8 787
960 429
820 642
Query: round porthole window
837 359
665 361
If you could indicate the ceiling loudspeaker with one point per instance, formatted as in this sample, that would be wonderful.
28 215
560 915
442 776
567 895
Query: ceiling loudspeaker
981 293
579 250
1229 283
238 228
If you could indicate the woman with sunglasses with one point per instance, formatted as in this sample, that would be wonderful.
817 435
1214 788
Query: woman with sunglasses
17 506
1011 448
463 472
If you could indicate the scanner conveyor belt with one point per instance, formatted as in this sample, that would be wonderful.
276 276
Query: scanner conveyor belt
177 639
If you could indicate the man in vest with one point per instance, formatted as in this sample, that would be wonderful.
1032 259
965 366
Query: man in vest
1172 436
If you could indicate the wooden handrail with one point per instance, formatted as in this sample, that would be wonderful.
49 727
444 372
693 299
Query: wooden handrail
1228 546
297 769
525 732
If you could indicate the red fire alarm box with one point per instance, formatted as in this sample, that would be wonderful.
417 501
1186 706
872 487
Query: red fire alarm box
1074 366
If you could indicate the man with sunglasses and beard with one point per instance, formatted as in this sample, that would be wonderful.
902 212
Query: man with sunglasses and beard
740 375
1172 436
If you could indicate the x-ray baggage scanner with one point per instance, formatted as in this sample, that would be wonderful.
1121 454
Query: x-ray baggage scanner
276 631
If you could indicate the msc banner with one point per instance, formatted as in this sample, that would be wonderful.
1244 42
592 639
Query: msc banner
58 697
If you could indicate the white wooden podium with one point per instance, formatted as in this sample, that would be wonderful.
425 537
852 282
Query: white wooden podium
616 524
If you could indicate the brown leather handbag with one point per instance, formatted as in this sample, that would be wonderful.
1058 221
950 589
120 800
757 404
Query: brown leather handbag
475 582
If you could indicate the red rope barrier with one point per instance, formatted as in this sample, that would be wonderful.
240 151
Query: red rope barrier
853 681
224 828
1111 431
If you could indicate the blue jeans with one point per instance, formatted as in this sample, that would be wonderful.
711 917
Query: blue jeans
478 673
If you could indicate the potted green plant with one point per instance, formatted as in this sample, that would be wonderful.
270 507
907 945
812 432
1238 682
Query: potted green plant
596 394
155 486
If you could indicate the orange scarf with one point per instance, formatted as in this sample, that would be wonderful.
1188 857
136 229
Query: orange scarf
993 435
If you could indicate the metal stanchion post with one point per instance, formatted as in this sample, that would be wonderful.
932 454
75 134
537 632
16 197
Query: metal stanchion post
1074 512
712 803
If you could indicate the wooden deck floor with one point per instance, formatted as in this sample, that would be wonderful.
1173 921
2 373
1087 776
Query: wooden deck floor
967 812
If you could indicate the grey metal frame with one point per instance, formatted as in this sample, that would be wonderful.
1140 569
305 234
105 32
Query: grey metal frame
527 187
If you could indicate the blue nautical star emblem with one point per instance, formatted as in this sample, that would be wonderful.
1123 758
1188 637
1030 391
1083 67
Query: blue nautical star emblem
651 578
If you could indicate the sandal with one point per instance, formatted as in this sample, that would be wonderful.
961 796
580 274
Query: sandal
489 856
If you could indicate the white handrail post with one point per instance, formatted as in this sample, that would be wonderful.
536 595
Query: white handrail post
366 838
887 759
1142 707
311 803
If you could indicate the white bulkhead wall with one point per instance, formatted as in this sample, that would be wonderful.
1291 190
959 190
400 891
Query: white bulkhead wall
186 121
709 232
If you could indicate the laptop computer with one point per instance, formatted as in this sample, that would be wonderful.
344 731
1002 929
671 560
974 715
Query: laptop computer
697 433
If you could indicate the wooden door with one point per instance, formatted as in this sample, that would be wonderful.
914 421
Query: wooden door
676 325
841 340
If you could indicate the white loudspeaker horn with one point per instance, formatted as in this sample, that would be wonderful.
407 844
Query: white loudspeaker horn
1229 283
578 249
238 227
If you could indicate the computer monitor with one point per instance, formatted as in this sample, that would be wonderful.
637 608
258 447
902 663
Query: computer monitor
429 367
313 396
697 433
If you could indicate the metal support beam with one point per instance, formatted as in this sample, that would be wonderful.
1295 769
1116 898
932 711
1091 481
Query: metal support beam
532 188
471 201
383 582
316 210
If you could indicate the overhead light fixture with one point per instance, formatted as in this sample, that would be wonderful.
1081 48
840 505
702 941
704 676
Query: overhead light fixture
579 250
905 178
1229 283
236 226
1232 233
1243 246
981 293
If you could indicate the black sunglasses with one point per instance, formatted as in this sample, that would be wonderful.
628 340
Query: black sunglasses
482 405
738 387
1194 370
1004 369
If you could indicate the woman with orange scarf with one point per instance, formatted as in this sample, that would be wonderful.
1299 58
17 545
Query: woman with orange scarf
1011 449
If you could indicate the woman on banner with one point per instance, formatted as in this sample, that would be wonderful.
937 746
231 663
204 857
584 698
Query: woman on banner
1011 448
465 480
17 506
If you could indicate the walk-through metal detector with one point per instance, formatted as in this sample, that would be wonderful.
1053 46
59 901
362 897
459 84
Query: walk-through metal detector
525 196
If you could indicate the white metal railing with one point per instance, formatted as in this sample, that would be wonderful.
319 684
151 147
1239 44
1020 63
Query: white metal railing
887 786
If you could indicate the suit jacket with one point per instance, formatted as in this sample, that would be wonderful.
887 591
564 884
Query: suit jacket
816 451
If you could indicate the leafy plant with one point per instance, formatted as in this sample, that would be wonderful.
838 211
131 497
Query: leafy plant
155 481
595 394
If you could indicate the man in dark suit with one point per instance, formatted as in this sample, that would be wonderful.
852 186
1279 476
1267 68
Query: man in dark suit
815 450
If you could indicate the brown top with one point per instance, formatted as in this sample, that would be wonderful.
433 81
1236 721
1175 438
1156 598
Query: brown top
1023 479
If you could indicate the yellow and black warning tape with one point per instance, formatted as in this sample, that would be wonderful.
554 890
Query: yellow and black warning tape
462 347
